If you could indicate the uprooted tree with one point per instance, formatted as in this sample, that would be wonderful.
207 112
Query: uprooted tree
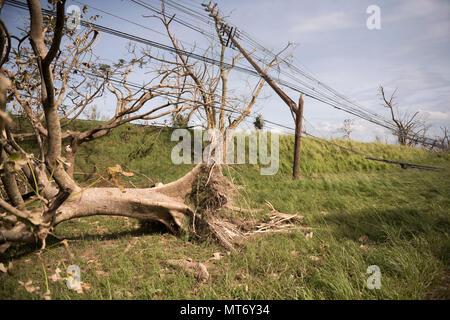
56 195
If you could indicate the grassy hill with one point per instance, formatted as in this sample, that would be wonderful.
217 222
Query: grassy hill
360 212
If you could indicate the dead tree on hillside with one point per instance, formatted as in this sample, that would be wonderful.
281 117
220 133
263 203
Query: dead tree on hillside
444 139
220 110
347 128
410 129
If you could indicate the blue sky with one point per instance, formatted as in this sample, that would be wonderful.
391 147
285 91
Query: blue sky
410 52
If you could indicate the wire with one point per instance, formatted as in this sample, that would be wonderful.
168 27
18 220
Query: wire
352 107
311 92
126 20
404 165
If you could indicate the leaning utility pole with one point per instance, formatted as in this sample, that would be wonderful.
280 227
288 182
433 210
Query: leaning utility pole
298 118
296 111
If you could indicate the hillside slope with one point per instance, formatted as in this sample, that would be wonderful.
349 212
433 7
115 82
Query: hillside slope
148 149
359 212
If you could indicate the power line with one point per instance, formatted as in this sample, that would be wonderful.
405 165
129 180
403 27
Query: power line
315 95
311 93
404 165
121 18
174 18
141 87
352 107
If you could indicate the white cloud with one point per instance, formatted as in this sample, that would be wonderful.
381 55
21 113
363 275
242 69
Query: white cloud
438 30
327 22
435 115
280 131
361 130
408 9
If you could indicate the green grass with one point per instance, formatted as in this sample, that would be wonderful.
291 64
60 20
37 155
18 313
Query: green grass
403 213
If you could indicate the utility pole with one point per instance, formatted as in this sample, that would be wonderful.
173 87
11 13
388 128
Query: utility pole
296 111
298 118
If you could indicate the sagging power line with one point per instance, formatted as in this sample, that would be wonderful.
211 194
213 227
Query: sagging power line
312 92
320 91
403 164
152 43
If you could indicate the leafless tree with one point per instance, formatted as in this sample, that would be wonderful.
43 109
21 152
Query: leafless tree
347 128
381 139
295 109
410 129
220 109
443 139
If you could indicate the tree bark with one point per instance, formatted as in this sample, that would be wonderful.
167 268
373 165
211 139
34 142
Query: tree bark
49 102
8 177
9 181
142 204
165 204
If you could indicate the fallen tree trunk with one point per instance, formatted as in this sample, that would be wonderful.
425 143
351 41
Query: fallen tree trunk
142 204
165 204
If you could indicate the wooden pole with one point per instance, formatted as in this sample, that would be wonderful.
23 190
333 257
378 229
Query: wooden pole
291 104
298 139
296 111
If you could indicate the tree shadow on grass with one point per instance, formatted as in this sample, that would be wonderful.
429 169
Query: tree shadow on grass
396 224
23 250
147 229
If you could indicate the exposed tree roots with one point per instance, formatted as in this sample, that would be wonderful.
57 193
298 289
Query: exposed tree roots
212 191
